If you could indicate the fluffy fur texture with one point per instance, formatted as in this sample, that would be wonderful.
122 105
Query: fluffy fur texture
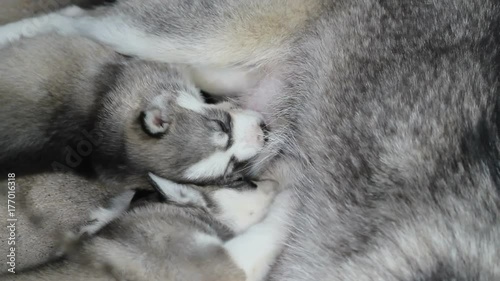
16 9
384 114
47 206
191 238
71 104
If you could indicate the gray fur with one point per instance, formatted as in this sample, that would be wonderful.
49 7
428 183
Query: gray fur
13 10
47 206
166 236
385 120
71 104
112 255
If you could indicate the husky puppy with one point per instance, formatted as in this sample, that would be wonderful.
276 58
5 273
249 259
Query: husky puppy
201 234
46 206
384 114
71 104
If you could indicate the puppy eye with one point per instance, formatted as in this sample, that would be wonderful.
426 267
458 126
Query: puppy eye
220 126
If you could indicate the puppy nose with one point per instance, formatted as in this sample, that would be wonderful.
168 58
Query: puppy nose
265 131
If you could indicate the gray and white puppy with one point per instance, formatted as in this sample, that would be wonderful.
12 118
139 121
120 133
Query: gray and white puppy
219 234
384 115
45 207
71 104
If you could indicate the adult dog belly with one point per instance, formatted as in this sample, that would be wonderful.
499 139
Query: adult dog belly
386 110
256 89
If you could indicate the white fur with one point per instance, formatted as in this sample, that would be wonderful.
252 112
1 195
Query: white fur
128 39
203 239
248 140
157 109
61 22
103 216
12 32
241 209
190 102
255 250
213 166
72 11
220 139
150 120
225 81
247 135
114 31
179 193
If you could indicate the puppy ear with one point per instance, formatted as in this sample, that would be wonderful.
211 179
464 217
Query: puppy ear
152 123
178 193
154 119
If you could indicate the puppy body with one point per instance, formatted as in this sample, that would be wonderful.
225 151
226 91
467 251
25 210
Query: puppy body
46 206
71 104
222 234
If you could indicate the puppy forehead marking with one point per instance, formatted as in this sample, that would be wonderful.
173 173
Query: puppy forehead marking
213 166
220 139
191 102
160 100
204 239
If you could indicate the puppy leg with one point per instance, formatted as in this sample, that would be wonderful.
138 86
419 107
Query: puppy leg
241 39
123 33
30 27
243 34
242 209
255 250
103 216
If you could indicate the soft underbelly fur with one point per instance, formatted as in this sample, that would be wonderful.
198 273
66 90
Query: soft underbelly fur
392 144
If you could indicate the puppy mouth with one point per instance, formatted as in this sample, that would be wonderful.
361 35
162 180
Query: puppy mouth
239 167
236 170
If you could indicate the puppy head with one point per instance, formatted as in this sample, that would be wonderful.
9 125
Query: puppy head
180 137
238 206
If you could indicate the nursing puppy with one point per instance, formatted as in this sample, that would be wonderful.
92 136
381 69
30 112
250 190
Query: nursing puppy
384 119
71 104
201 234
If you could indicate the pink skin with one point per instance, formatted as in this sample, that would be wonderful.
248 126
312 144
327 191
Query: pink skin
262 97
